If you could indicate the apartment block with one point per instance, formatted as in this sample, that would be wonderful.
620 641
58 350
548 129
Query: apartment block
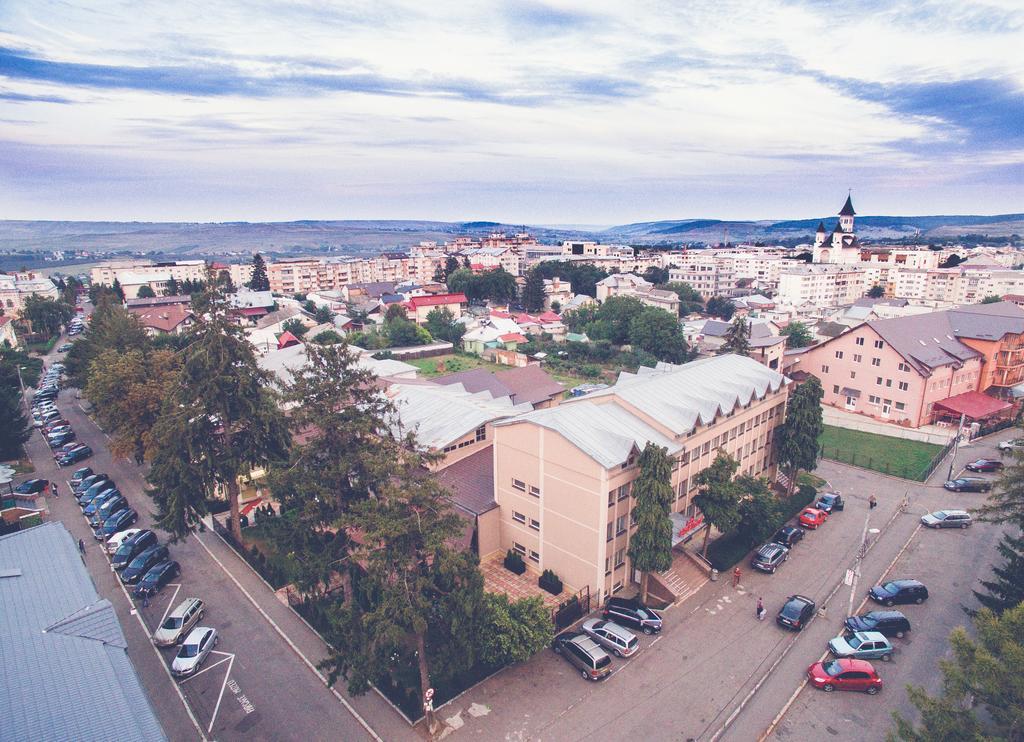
563 476
17 287
826 285
138 272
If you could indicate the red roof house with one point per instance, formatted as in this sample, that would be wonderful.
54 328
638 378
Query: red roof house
421 306
286 340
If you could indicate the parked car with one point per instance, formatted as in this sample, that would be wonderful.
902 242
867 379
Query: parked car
97 488
179 622
1011 445
845 674
584 654
862 645
58 453
985 465
75 455
59 439
32 487
887 623
115 541
110 506
89 481
968 484
133 546
769 557
631 612
830 501
621 642
812 517
64 348
80 475
116 522
795 612
947 519
98 501
156 578
897 592
138 566
788 536
194 650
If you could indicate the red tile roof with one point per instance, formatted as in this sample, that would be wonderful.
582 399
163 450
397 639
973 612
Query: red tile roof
549 317
252 311
165 318
975 405
514 337
286 340
437 300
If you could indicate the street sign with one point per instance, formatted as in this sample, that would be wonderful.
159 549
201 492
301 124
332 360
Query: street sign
428 694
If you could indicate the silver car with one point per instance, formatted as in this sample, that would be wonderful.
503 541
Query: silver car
194 651
947 519
619 641
179 622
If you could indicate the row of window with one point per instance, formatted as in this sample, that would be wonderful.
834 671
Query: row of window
478 436
878 343
720 440
619 494
620 560
622 524
520 518
533 555
518 484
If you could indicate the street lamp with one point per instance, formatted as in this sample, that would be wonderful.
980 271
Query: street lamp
21 384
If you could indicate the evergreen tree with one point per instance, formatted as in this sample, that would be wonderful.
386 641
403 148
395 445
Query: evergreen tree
16 428
1007 589
719 496
145 292
719 306
259 280
759 509
796 440
737 338
876 292
118 291
1005 504
172 287
450 266
533 292
224 409
650 547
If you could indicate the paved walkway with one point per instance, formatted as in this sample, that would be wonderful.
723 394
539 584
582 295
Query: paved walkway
497 579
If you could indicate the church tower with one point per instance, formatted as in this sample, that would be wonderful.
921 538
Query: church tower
819 235
846 216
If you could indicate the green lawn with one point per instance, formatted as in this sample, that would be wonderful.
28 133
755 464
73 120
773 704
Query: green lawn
896 456
451 363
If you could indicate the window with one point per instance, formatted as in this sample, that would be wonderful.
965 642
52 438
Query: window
732 433
624 490
860 341
611 499
857 357
876 361
620 525
835 389
874 399
607 565
888 382
878 381
901 406
518 517
617 586
446 449
517 485
611 533
879 344
853 374
535 491
620 558
904 386
824 369
534 524
519 548
534 556
705 449
684 458
903 367
839 354
481 433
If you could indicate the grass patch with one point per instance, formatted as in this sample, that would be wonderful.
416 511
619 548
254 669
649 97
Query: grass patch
43 348
896 456
20 466
805 477
452 363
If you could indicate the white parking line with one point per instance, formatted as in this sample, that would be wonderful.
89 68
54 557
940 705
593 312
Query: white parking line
177 587
216 709
227 656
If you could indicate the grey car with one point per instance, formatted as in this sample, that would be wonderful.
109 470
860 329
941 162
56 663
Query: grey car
619 641
947 519
179 622
584 654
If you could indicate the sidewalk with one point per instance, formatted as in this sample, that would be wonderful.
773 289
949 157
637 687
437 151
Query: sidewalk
374 710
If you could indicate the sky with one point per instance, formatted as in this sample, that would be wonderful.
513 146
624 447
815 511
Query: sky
522 112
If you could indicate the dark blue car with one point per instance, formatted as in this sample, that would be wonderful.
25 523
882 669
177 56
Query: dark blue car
158 576
98 501
74 456
142 564
116 522
132 547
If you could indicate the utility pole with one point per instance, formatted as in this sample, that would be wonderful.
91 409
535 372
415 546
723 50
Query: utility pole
861 551
956 444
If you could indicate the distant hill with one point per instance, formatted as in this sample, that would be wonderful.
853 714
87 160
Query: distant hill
354 237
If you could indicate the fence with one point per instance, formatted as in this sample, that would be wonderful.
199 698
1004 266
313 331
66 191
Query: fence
937 459
886 467
569 611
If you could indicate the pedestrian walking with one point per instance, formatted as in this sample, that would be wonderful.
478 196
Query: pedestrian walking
145 600
736 576
53 488
872 502
760 609
81 546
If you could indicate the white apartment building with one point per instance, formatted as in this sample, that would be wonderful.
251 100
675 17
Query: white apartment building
826 285
302 275
147 271
15 288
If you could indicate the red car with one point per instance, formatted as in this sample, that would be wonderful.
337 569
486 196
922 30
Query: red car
812 517
985 465
844 674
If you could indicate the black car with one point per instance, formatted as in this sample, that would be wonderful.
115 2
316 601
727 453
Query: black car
97 502
32 487
631 612
75 455
795 613
968 484
89 481
788 536
888 623
132 547
897 592
830 501
80 475
110 506
157 576
141 564
119 521
769 557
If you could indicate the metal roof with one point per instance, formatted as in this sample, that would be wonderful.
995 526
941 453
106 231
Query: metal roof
66 671
442 414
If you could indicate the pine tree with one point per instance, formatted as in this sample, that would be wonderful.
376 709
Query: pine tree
737 338
1006 502
16 428
796 440
1007 589
172 287
259 281
719 496
533 292
118 291
650 547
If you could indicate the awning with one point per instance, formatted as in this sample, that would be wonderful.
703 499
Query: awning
848 392
974 405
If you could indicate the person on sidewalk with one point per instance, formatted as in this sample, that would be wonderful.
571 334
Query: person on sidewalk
53 489
81 546
736 576
760 609
872 502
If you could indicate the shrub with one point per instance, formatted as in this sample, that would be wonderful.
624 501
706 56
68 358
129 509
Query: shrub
514 562
549 581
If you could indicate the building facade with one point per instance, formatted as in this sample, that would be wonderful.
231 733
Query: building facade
15 288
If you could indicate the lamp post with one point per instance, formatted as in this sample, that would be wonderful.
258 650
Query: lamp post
21 384
956 444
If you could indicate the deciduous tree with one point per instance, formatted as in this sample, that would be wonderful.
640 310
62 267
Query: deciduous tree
796 440
876 292
657 332
46 315
719 496
719 306
797 335
759 509
513 631
145 292
650 547
690 299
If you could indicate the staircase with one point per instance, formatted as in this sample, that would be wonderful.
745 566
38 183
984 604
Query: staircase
683 578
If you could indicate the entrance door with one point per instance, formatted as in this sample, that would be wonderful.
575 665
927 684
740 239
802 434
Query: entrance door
851 402
886 407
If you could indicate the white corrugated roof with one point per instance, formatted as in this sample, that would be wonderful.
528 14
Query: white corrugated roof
440 414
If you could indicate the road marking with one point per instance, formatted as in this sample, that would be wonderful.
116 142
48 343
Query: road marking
291 644
216 709
656 640
227 656
177 587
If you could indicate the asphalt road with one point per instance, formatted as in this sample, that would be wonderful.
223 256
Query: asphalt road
717 673
255 687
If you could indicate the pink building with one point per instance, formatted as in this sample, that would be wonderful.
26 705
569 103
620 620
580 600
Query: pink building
903 369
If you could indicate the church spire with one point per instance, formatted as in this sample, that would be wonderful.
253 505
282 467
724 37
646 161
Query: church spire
847 209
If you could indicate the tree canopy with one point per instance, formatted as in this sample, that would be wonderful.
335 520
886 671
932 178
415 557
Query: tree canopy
719 495
47 316
690 300
796 440
719 306
876 292
650 547
797 334
497 285
533 291
582 277
259 280
737 338
658 332
145 292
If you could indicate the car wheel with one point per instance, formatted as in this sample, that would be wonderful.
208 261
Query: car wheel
617 653
648 630
828 687
585 674
963 525
872 690
919 601
900 634
886 657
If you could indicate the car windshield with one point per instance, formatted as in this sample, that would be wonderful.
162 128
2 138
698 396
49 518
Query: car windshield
869 619
854 641
832 668
140 561
188 651
124 550
940 514
645 613
792 609
173 622
890 587
151 577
